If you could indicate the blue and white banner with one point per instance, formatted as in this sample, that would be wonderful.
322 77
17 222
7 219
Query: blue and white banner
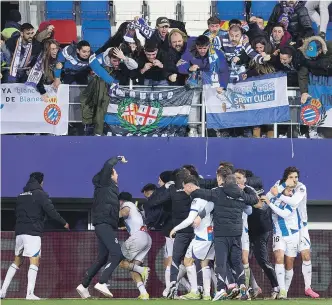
23 110
149 113
317 111
257 101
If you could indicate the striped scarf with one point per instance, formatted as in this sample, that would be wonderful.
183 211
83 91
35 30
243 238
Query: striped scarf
36 72
16 62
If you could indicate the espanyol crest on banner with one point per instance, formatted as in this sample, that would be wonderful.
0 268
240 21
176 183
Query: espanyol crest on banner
317 110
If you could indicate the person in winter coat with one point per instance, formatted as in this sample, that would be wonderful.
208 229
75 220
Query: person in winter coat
111 68
295 18
24 50
31 208
213 67
105 218
179 43
12 25
318 61
150 70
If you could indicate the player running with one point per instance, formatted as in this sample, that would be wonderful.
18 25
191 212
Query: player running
137 246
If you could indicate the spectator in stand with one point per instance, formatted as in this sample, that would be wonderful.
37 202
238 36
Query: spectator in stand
95 97
12 25
131 46
262 47
256 28
321 19
295 18
279 37
24 50
318 61
235 45
214 71
214 32
150 71
5 60
125 29
291 61
159 36
42 73
179 43
73 64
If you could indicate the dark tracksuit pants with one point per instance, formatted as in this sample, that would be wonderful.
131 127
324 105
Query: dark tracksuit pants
109 254
260 249
228 249
181 244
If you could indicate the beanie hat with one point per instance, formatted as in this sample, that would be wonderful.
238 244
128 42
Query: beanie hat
38 176
14 15
166 176
43 26
125 196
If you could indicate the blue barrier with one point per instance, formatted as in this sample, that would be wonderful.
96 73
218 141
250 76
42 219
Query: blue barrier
69 163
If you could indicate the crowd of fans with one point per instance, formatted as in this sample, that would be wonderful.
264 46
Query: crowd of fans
172 58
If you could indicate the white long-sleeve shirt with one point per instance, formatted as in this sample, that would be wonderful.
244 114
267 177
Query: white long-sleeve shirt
285 218
205 230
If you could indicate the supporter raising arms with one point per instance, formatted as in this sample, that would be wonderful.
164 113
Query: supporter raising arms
214 70
159 35
73 64
235 45
24 50
95 97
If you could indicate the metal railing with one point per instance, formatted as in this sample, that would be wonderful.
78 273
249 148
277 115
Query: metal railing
75 115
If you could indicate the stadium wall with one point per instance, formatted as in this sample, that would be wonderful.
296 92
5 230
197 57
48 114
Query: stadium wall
67 255
69 163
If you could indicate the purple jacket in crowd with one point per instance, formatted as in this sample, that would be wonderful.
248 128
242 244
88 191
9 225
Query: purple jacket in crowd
191 57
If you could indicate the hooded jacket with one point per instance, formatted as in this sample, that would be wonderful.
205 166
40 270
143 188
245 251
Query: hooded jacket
106 206
319 66
11 28
31 208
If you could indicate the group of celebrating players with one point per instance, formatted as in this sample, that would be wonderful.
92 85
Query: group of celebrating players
207 223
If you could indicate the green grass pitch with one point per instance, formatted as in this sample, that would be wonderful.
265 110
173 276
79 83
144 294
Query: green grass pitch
162 302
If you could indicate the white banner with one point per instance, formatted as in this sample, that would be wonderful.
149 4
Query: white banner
23 110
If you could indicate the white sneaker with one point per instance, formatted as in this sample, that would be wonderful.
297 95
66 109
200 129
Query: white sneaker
32 297
193 133
314 135
281 136
303 136
102 288
165 292
83 292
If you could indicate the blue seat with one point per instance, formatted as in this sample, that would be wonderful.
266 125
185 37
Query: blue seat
262 8
95 10
96 32
59 10
227 10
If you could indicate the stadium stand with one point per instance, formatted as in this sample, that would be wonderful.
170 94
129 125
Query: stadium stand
66 31
59 10
96 32
95 10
